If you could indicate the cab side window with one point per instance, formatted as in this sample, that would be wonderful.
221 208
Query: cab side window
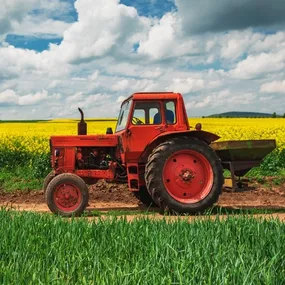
170 112
155 116
139 117
146 113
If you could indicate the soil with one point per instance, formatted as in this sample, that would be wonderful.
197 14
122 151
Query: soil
106 197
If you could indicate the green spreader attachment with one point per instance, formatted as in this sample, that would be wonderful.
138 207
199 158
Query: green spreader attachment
241 156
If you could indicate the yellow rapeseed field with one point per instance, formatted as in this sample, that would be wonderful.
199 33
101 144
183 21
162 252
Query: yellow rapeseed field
33 136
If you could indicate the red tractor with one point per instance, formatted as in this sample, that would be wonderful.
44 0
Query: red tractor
152 149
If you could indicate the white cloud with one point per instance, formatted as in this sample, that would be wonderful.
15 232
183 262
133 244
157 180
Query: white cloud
75 98
40 28
95 105
157 72
266 99
32 99
186 85
269 43
273 87
16 16
160 38
95 100
8 97
102 26
121 99
165 40
131 69
13 10
259 65
128 86
55 8
121 85
87 101
224 100
94 75
78 79
16 61
237 43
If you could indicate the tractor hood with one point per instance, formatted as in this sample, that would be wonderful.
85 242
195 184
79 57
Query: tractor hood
85 140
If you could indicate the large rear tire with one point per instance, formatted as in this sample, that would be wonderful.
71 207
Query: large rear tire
184 175
67 195
144 196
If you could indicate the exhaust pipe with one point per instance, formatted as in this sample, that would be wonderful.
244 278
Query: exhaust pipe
82 126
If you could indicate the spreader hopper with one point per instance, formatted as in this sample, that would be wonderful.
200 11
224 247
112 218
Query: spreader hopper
241 156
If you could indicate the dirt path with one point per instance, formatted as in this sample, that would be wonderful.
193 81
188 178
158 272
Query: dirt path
106 197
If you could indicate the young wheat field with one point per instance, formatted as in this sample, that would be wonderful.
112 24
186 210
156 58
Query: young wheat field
42 249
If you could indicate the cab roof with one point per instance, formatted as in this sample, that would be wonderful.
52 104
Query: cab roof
154 96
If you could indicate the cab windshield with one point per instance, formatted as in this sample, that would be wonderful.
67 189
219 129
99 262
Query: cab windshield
123 116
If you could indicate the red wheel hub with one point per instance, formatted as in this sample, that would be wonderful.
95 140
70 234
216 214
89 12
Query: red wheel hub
188 176
67 197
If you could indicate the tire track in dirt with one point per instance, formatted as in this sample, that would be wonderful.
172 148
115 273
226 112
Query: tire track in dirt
106 197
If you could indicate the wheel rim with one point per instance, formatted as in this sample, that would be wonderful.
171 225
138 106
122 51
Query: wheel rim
67 197
188 176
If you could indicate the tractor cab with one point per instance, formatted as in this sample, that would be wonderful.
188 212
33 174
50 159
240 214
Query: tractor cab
145 116
153 109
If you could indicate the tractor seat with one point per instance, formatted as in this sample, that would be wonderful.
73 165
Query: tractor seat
169 117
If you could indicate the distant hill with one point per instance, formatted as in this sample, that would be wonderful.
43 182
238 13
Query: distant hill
242 115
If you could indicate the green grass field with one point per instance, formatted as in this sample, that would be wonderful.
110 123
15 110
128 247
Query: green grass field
43 249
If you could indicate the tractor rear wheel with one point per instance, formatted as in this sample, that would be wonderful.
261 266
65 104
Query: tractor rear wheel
67 195
143 196
184 175
47 180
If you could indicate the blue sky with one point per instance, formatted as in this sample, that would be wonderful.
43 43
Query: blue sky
222 56
31 42
151 8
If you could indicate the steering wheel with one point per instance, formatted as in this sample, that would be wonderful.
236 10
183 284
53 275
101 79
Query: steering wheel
137 121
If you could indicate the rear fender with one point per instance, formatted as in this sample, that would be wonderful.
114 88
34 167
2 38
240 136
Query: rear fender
207 137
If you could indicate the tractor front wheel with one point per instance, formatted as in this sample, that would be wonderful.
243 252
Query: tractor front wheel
184 175
47 180
67 195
